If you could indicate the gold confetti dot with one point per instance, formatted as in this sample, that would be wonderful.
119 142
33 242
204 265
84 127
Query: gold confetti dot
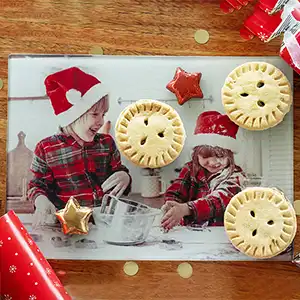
1 84
185 270
297 207
201 36
96 51
131 268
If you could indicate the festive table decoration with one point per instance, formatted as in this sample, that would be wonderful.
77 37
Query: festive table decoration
185 85
97 50
74 218
270 19
25 273
201 36
228 6
272 6
260 24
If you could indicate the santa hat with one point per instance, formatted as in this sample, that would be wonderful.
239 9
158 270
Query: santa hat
72 93
216 130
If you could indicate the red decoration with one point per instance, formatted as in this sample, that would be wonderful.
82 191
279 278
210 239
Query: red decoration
271 6
228 6
270 19
185 86
260 24
25 273
212 122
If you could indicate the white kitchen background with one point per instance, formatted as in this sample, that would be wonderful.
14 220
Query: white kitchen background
35 119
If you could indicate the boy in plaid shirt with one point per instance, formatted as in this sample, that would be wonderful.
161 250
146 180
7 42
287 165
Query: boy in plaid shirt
77 161
207 183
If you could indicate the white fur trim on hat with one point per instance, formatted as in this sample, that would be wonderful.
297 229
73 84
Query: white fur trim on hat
216 140
73 96
81 104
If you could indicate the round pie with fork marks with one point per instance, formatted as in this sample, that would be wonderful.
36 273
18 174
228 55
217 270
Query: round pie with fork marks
150 133
256 95
260 222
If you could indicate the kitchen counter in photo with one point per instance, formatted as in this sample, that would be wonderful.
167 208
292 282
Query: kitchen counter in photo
181 243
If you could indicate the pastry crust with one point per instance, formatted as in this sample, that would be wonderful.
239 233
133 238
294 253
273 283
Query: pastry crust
256 96
260 222
150 133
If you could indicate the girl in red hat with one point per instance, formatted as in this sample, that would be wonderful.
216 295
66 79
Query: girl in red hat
77 161
206 184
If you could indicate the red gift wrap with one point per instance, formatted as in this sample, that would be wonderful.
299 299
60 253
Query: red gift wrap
228 6
271 19
25 273
260 24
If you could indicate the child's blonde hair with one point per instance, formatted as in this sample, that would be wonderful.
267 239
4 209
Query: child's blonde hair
101 105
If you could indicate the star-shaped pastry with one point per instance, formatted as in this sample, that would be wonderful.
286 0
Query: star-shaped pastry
185 86
74 218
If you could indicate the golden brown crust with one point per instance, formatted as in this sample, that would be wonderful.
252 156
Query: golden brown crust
260 222
150 133
256 96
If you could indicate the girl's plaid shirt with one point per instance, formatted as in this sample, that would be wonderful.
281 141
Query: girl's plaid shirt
207 203
62 168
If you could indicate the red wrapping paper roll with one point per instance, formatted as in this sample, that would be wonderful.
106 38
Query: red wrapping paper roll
25 273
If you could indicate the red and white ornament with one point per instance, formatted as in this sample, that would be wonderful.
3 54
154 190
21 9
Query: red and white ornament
72 93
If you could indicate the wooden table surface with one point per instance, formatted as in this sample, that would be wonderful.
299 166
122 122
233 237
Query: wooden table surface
150 27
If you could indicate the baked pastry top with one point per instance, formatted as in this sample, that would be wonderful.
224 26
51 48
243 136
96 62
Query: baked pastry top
256 95
260 222
150 133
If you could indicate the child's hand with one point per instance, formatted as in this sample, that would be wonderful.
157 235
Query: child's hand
174 212
44 212
119 180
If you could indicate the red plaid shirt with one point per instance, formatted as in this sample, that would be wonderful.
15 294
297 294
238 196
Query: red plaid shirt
205 202
62 168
